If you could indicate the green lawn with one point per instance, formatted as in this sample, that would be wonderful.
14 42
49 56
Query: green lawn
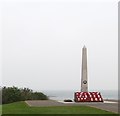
23 108
0 109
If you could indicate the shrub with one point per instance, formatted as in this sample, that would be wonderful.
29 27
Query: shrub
14 94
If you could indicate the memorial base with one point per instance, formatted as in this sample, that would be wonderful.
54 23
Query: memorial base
88 97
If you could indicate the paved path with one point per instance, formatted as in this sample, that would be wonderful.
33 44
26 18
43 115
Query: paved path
113 107
107 105
43 103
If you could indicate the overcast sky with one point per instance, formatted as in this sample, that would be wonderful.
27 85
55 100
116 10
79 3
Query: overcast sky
42 44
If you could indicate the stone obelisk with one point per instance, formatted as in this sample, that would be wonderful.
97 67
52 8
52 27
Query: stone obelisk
84 82
84 95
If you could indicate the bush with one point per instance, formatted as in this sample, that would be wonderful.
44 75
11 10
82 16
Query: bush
14 94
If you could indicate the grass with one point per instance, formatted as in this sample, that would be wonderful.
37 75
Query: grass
23 108
0 109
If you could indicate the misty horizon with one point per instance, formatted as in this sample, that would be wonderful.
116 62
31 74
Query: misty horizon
42 44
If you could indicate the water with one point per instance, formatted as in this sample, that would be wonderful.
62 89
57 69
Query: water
61 95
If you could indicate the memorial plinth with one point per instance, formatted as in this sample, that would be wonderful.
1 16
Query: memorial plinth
84 95
88 97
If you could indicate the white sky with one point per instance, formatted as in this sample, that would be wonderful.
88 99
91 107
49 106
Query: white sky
42 43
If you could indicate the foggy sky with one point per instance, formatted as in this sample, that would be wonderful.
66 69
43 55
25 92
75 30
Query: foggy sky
42 44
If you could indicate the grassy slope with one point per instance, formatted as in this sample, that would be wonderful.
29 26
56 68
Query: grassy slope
0 109
23 108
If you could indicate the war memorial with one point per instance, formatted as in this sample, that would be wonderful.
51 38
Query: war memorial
84 95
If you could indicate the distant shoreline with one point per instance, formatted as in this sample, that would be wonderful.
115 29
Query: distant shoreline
61 95
109 100
112 100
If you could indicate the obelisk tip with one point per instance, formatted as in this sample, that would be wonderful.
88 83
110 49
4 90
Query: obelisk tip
84 46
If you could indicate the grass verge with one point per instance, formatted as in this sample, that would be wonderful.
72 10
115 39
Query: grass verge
23 108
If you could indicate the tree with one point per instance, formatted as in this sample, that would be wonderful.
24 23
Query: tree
13 94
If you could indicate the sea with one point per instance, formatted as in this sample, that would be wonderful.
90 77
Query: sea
62 94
